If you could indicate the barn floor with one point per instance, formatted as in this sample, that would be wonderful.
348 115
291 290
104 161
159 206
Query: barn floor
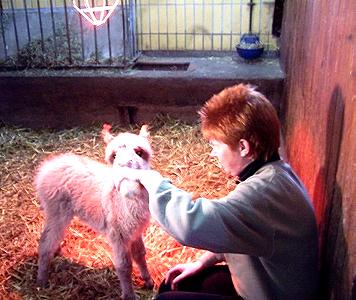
84 270
177 86
58 99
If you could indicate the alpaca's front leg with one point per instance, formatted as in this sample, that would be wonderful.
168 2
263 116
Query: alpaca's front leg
138 251
123 266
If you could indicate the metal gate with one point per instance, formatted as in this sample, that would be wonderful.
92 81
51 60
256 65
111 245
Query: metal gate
201 25
51 33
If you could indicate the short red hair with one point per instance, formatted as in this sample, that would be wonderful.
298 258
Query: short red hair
240 112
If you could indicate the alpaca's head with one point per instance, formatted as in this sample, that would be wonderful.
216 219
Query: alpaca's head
127 149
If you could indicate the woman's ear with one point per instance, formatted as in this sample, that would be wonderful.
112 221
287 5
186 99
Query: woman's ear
244 148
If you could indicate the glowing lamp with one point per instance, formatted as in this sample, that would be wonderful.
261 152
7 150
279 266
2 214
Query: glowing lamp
97 15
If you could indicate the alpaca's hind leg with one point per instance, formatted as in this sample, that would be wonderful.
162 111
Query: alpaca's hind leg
49 245
138 254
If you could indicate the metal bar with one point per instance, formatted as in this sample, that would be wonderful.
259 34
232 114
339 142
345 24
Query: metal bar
185 25
241 15
41 27
135 29
131 27
53 29
222 26
137 19
194 35
81 33
67 32
109 37
15 26
132 14
95 37
123 31
128 26
270 18
127 32
158 24
212 27
167 18
141 26
203 35
149 23
231 22
176 24
27 21
251 5
3 29
260 18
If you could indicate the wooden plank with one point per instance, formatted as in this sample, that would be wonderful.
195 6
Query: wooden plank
317 46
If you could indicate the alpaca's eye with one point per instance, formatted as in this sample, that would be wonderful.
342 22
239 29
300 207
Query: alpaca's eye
112 157
139 152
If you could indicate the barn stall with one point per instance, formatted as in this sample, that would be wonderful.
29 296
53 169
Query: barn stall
70 75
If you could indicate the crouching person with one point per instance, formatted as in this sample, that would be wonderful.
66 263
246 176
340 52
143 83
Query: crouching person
265 230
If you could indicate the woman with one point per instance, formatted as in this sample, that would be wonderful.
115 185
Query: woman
265 230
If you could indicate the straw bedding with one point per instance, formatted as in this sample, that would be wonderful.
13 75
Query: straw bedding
84 270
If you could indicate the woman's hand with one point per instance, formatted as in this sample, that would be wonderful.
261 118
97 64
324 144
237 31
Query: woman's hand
127 173
150 179
131 174
181 271
120 174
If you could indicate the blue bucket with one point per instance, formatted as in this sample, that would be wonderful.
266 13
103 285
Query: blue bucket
250 46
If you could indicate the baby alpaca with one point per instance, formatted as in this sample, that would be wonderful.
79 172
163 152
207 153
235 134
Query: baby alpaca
70 185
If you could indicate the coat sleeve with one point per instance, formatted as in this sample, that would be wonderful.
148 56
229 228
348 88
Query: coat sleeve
233 224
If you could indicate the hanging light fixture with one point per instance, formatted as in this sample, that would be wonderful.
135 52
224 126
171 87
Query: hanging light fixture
96 15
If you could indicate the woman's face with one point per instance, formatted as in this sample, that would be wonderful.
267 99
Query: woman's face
233 161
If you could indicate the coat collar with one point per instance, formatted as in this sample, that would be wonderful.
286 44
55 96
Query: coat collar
252 167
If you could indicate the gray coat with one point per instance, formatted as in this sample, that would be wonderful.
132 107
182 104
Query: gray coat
265 229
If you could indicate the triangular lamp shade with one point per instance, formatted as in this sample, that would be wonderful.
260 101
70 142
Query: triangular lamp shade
97 15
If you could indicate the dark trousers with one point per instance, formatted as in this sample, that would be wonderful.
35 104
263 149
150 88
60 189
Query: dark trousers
213 283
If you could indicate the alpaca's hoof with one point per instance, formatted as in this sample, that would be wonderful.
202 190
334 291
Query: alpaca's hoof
149 284
41 282
130 297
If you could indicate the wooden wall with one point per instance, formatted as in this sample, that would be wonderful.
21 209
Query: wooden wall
319 56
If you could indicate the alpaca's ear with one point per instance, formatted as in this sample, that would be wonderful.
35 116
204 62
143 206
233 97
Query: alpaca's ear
144 131
106 133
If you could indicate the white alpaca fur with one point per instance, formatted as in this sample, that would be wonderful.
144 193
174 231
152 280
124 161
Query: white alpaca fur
70 185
